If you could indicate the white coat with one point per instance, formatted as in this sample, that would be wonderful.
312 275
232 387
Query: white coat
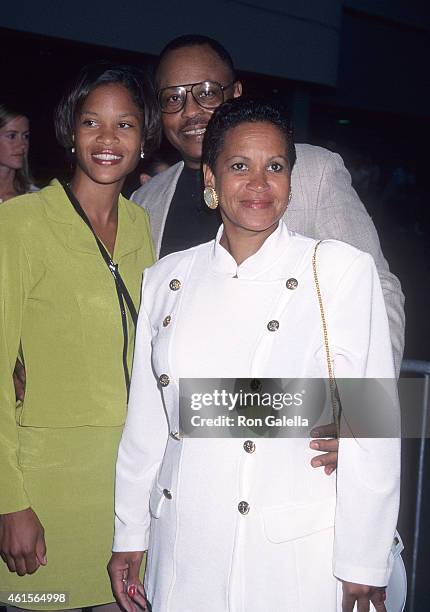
180 497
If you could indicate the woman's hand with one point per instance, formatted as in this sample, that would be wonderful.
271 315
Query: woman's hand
363 595
22 541
329 447
124 568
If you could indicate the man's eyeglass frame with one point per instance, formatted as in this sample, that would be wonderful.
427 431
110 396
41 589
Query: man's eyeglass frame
189 89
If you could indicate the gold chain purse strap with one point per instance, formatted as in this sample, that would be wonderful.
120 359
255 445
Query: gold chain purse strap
334 395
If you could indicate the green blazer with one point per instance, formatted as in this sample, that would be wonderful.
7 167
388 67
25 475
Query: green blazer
59 308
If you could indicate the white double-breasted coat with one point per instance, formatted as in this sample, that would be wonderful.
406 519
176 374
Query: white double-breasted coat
181 497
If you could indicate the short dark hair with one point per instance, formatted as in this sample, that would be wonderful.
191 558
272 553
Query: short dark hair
103 73
245 110
198 40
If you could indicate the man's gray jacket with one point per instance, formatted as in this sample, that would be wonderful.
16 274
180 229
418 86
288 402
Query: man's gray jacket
323 205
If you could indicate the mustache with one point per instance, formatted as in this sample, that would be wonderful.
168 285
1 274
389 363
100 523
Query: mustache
193 121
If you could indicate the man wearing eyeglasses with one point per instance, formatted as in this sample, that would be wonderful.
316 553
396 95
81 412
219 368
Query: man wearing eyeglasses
193 78
195 74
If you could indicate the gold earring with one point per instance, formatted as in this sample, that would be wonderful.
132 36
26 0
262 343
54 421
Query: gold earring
142 152
290 196
210 197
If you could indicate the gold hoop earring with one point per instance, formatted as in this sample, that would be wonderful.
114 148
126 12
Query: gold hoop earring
210 197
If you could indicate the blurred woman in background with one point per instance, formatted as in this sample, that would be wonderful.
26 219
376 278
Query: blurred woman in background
15 178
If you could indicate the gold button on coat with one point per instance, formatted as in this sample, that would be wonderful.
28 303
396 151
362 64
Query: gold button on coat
273 325
249 446
175 284
292 283
167 494
166 320
243 507
164 380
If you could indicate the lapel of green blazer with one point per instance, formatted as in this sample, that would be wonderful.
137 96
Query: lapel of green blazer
78 236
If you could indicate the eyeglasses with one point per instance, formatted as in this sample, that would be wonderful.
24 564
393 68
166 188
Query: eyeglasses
207 94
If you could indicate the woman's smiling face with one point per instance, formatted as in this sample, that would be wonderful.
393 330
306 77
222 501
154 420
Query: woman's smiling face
108 134
252 176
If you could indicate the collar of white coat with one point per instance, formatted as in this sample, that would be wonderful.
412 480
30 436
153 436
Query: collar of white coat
256 265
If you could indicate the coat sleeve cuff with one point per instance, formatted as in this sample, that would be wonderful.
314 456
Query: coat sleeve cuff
130 539
362 575
15 500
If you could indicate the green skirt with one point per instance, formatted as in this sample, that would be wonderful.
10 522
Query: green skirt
69 478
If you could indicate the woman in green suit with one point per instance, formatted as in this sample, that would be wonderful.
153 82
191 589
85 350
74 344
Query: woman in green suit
71 262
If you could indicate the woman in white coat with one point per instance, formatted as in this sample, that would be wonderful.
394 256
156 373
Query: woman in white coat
239 524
